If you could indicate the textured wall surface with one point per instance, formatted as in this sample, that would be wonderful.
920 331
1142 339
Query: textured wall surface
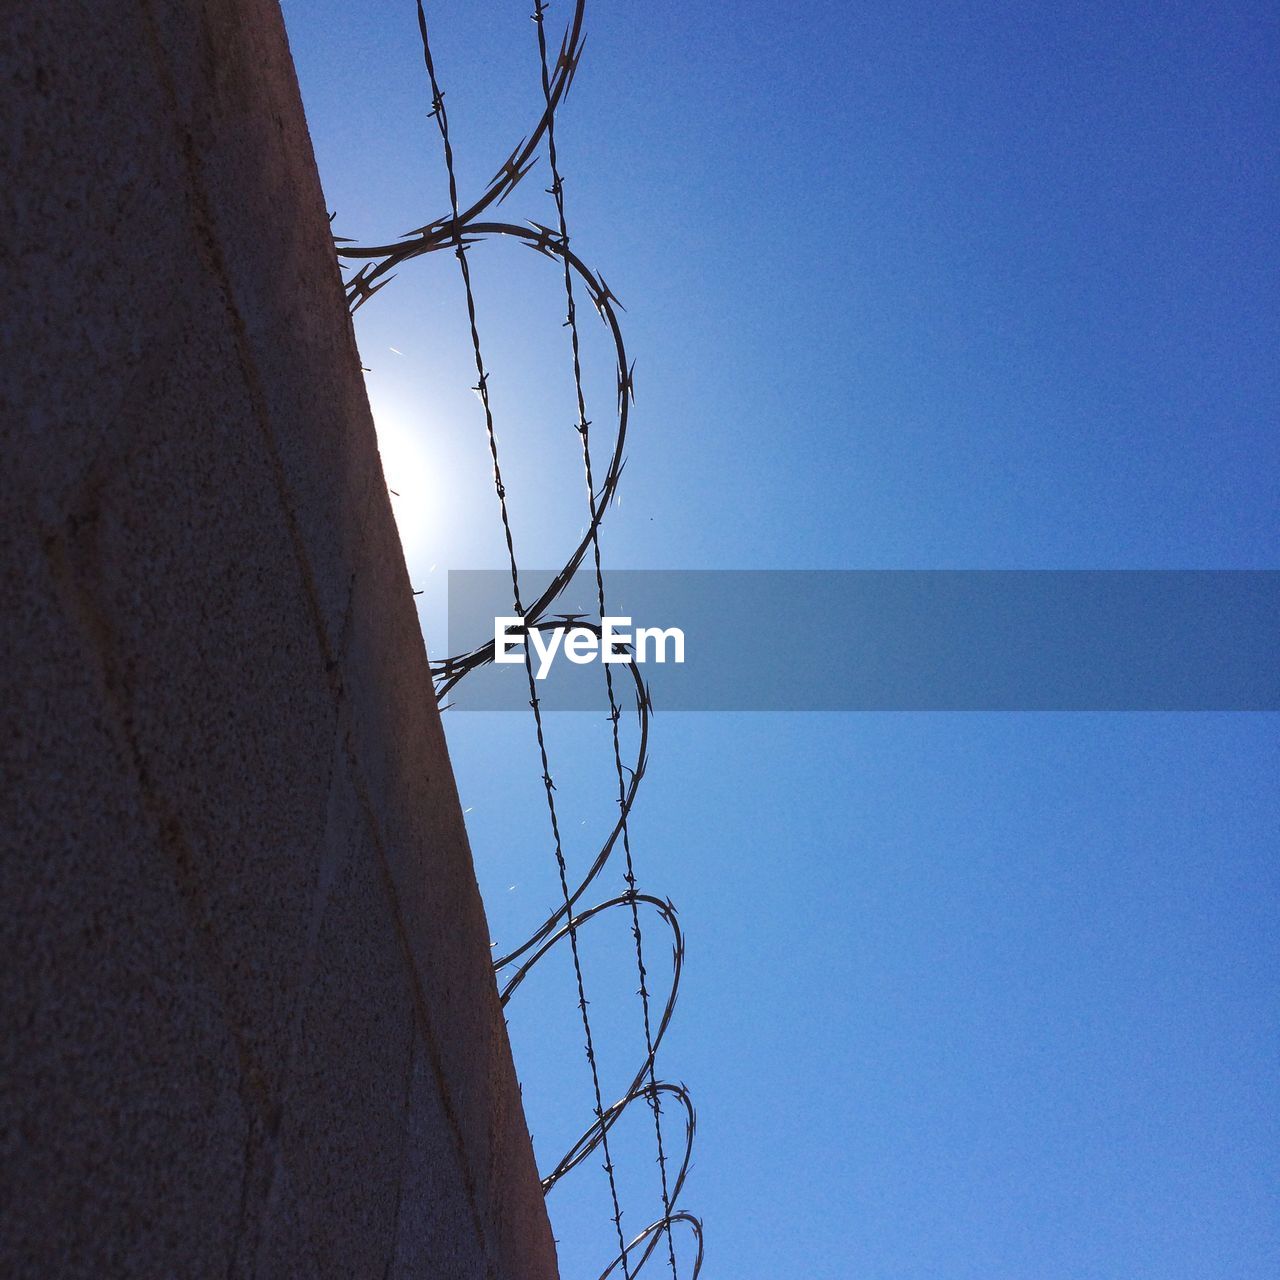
249 1022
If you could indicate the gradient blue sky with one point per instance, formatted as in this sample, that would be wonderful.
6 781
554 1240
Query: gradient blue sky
934 286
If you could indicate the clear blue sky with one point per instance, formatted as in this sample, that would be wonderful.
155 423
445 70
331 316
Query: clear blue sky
918 286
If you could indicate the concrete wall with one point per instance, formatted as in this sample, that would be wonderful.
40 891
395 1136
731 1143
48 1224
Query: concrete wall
249 1022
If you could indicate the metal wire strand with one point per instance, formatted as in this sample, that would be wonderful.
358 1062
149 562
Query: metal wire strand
556 190
440 114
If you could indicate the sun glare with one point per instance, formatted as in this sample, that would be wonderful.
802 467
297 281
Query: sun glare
417 496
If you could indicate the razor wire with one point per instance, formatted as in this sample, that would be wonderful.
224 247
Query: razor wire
459 230
556 190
